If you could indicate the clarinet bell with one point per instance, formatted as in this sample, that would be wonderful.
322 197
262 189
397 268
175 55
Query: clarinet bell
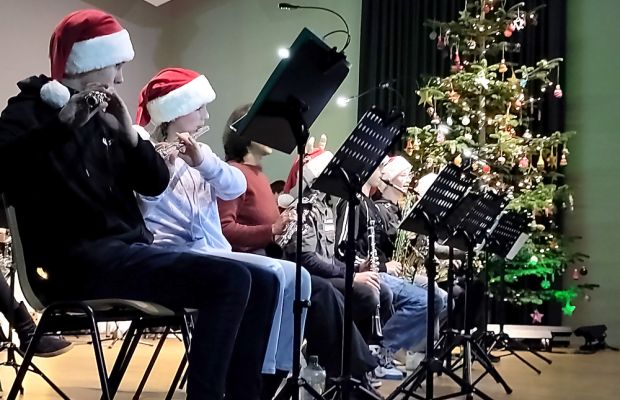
377 332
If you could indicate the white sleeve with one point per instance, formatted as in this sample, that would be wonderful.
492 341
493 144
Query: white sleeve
227 182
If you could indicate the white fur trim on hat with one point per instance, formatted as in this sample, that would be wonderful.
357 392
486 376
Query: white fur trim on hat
55 94
394 168
181 101
100 52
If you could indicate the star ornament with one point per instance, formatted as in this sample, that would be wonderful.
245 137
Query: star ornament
568 309
537 317
482 81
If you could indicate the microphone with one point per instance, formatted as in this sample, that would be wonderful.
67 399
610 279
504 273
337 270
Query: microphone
289 6
342 101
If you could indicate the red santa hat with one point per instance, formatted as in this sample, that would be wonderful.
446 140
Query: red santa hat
172 93
84 41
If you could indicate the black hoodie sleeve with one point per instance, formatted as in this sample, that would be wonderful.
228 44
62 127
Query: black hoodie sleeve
147 170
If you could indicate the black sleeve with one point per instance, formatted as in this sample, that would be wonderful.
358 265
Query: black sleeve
321 268
147 170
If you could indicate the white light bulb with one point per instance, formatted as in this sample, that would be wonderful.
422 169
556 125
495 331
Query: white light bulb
283 53
342 101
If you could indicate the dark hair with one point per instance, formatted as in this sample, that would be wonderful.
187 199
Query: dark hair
277 186
236 146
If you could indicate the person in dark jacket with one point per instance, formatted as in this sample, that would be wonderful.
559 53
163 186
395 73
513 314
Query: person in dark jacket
76 164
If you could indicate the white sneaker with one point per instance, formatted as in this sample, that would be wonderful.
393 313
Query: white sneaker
386 368
373 381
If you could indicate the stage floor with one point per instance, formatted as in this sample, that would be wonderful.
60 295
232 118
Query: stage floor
571 376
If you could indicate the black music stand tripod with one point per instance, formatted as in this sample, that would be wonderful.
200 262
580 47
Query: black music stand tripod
6 341
428 218
505 241
344 177
287 105
467 226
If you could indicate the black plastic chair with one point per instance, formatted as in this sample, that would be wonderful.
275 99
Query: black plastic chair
71 316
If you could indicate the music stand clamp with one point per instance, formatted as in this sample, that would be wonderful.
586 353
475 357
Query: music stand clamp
505 241
288 104
344 176
429 217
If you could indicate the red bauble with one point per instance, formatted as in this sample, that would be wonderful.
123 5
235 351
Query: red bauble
508 32
486 169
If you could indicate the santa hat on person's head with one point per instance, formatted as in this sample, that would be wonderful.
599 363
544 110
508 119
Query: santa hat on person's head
394 167
84 41
172 93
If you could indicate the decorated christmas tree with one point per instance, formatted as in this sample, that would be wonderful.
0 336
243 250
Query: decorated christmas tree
484 114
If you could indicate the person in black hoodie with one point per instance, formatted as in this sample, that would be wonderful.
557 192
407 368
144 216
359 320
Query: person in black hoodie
76 165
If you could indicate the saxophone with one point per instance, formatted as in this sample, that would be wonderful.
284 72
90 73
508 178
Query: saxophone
374 267
291 227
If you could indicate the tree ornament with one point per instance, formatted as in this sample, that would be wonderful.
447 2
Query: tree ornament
501 160
430 111
465 120
441 137
545 284
502 66
449 121
552 160
458 160
541 161
453 96
524 163
537 317
456 62
519 22
471 44
440 43
583 270
568 308
486 7
416 143
575 274
486 168
557 93
467 136
563 160
527 134
436 120
432 35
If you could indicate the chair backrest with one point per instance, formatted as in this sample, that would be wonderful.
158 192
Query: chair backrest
19 261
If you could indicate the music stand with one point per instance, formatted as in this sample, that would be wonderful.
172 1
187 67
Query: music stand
505 241
344 176
426 218
288 104
466 228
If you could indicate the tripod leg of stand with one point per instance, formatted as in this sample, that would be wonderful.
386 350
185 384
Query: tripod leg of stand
486 363
513 343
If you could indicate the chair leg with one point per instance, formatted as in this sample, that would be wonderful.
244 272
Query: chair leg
101 368
149 368
130 342
177 378
27 359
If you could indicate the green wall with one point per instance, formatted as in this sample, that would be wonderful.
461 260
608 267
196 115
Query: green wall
235 42
592 95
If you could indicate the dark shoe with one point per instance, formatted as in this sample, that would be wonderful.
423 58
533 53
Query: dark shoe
48 346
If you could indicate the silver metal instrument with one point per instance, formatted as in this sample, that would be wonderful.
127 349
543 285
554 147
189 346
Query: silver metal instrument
166 148
376 329
291 227
95 98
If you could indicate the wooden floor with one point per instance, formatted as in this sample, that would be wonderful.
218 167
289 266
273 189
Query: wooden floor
571 376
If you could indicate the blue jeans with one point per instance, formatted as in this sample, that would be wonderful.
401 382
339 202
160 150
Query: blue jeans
407 326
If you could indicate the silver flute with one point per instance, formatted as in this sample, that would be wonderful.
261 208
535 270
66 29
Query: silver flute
94 98
166 148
